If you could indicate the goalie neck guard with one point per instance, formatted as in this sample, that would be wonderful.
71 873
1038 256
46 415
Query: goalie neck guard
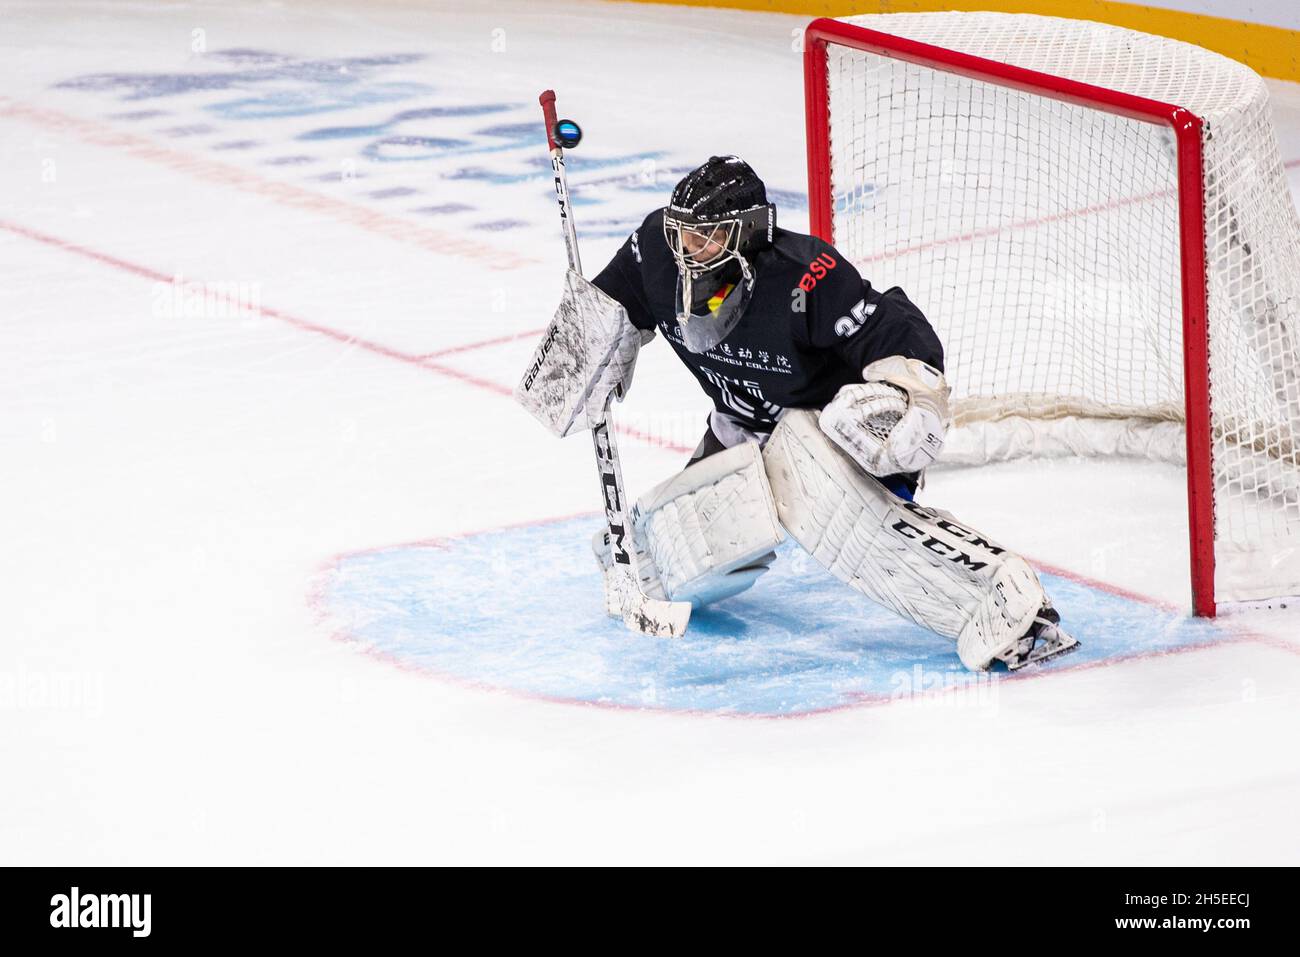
716 221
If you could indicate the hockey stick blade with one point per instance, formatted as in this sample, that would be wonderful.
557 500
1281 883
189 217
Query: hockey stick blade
660 619
640 612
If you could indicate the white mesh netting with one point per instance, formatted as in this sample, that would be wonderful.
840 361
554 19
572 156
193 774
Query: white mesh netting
1041 238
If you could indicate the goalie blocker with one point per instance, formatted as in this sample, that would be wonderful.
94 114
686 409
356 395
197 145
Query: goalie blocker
587 354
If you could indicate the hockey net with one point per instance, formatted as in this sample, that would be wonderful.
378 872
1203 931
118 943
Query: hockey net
1097 221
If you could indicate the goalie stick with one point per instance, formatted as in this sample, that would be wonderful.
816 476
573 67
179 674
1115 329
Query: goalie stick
624 596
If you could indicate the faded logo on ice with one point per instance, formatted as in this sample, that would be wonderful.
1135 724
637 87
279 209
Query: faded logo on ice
453 155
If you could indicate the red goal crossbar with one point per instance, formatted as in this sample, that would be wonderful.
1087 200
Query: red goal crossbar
1186 128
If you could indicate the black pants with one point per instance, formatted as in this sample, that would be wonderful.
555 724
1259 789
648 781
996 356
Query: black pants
710 444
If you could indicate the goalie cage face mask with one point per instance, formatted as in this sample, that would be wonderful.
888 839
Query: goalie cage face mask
718 215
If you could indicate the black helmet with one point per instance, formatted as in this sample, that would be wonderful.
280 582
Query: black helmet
724 192
718 214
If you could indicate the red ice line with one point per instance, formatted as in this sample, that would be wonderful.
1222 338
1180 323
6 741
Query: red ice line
471 346
423 362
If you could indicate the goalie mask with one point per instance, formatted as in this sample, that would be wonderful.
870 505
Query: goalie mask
716 221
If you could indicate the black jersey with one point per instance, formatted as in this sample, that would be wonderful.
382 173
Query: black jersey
811 325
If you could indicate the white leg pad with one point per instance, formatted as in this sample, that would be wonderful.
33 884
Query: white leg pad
919 562
710 527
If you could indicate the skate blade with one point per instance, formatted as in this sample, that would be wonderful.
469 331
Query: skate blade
1045 651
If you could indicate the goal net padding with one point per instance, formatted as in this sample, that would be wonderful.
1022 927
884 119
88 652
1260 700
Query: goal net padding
1097 222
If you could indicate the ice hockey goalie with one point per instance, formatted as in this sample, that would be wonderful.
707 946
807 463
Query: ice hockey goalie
829 402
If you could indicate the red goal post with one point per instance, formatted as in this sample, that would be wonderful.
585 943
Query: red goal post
1186 128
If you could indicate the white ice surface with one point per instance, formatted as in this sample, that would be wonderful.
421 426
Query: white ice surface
170 487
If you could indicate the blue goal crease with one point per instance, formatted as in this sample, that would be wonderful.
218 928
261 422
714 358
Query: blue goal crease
521 609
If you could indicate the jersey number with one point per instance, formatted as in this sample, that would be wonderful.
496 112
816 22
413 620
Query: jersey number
847 325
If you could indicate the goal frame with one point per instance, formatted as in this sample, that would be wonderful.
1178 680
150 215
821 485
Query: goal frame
1186 128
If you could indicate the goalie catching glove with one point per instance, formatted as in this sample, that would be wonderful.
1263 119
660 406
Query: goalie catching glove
894 421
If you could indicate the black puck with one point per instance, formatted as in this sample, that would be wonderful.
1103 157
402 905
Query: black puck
567 134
